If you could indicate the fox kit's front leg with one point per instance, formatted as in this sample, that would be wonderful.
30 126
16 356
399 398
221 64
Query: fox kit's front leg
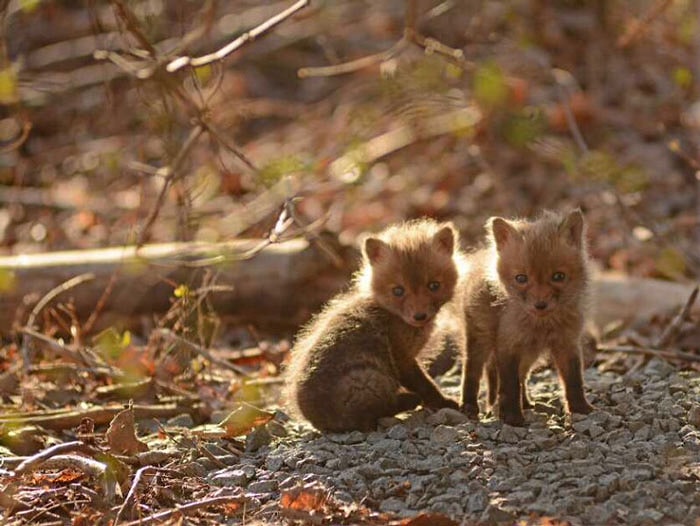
567 360
509 385
413 377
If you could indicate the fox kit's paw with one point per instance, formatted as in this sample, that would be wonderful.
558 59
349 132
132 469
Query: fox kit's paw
448 402
582 407
407 401
513 418
439 403
472 411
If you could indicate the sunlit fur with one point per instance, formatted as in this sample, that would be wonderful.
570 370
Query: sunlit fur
506 329
356 361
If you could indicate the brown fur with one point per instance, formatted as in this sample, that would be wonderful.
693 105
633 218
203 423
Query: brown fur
511 324
357 360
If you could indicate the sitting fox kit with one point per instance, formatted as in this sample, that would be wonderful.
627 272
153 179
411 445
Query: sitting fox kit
526 295
357 360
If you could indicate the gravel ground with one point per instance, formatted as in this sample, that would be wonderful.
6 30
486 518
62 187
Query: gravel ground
636 460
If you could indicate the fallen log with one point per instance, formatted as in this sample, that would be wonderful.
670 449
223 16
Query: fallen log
281 284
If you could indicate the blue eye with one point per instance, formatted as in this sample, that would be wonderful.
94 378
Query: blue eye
521 278
558 276
397 291
433 286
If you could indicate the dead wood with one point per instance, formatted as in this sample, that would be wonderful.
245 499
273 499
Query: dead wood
71 418
283 283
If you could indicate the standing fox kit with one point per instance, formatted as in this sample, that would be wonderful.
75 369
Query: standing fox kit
525 295
357 360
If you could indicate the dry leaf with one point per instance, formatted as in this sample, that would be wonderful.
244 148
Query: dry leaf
121 434
244 418
428 519
304 499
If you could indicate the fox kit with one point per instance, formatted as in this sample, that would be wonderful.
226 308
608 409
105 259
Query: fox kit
357 360
526 294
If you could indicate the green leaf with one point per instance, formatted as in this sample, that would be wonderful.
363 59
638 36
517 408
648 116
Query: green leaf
670 263
8 86
181 291
490 88
8 280
29 6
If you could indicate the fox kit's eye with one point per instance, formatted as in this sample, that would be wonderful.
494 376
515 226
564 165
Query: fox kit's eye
397 291
558 276
521 278
433 286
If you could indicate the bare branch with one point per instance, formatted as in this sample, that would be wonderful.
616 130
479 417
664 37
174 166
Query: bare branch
239 42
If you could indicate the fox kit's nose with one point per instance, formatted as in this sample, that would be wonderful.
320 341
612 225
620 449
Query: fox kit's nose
420 316
541 305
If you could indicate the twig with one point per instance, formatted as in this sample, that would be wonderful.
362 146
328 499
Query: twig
637 27
214 132
63 287
229 48
170 173
564 80
410 36
167 333
100 304
132 25
67 351
629 349
131 496
42 456
671 331
204 503
353 65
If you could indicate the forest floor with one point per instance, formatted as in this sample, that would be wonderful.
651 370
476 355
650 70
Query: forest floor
515 107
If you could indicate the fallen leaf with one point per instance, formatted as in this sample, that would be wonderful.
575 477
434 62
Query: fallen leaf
121 434
304 499
244 418
428 519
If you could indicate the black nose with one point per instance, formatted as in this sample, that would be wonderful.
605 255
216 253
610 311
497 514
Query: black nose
420 316
541 305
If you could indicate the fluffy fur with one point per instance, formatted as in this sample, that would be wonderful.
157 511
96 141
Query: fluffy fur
357 360
526 295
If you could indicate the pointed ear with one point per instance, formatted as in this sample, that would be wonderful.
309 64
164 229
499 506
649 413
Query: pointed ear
502 231
572 227
375 250
444 239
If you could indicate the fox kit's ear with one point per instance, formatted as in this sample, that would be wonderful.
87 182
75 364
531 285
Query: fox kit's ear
375 250
571 228
444 239
502 231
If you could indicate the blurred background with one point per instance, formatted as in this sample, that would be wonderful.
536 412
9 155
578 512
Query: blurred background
360 113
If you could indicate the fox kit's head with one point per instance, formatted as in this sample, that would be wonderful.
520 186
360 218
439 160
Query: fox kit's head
411 269
541 264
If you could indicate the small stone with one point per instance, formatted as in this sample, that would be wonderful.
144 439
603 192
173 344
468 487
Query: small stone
694 416
276 429
274 462
353 437
511 434
659 368
392 505
263 486
444 435
236 477
595 430
579 450
181 420
398 432
447 416
257 438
